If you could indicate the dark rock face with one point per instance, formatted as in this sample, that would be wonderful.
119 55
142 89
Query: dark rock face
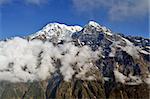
55 88
35 90
130 92
138 41
78 89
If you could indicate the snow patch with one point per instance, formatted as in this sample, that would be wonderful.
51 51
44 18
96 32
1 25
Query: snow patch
93 23
144 52
119 76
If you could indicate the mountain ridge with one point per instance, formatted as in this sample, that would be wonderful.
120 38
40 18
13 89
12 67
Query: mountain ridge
69 60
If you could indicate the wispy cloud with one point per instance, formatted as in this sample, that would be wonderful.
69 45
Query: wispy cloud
4 2
116 9
138 8
35 2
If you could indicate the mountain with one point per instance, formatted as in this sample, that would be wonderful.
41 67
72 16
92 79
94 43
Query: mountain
55 32
63 61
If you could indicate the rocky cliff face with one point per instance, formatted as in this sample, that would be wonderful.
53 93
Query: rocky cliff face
98 64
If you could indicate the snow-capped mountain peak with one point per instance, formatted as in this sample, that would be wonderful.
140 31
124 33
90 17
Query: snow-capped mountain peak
55 30
58 32
52 26
94 26
93 23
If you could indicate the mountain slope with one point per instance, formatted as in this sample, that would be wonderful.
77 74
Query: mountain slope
63 61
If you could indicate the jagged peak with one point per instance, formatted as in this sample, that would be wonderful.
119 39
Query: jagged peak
93 23
94 26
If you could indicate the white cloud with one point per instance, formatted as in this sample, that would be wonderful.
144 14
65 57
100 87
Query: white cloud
123 10
22 60
116 9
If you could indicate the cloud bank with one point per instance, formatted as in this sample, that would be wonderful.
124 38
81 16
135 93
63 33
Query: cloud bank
22 60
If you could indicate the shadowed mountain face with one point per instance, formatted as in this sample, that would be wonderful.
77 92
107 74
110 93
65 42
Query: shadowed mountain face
118 66
77 88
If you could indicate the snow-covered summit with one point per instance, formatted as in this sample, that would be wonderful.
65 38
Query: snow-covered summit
52 26
93 23
58 32
94 26
55 30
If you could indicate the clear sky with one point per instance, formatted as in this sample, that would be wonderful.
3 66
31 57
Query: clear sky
24 17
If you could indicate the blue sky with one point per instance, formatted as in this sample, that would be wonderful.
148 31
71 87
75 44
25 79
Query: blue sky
24 17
